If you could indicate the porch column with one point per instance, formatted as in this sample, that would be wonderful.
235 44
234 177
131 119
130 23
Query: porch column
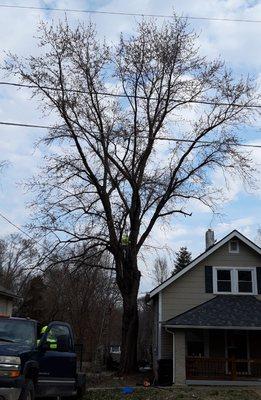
179 358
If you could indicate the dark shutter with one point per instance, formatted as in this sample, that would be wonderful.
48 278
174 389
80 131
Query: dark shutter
209 279
258 275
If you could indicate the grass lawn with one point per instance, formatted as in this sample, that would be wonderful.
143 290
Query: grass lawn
175 394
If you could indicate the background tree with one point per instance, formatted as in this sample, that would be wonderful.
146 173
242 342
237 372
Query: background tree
183 258
18 257
160 270
34 302
113 103
85 296
78 292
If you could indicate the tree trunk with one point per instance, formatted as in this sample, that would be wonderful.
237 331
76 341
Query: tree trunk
130 328
129 287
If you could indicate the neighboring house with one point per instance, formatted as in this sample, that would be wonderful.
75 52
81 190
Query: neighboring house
6 301
207 317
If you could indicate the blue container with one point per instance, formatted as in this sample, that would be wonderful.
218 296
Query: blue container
127 390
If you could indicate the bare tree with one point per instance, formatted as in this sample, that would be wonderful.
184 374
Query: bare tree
84 295
18 256
111 181
160 270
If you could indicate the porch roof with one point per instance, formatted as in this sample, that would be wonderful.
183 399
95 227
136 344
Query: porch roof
223 311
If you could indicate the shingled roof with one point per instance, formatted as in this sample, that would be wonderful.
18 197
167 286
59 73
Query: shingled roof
6 292
223 311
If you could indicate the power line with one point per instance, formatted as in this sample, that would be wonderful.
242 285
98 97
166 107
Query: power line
26 125
17 227
129 14
204 142
121 95
140 136
29 236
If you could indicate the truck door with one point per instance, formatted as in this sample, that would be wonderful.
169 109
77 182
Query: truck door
57 361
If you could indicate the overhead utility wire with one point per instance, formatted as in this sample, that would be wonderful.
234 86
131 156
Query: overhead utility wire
27 234
140 136
17 227
123 13
25 125
206 102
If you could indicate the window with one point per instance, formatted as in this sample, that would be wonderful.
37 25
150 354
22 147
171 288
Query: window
224 280
195 344
233 246
17 331
234 280
59 338
245 284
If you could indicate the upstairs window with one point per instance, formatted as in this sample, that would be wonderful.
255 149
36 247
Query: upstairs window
245 281
233 280
233 246
224 280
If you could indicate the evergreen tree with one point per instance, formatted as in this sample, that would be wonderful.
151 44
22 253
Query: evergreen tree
34 304
183 258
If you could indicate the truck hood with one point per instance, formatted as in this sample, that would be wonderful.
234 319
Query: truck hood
14 349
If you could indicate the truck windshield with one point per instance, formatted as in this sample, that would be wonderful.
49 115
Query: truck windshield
15 331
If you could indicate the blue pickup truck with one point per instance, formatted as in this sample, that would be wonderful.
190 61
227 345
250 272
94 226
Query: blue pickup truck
34 365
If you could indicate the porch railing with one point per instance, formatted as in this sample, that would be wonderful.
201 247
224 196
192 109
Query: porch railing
222 368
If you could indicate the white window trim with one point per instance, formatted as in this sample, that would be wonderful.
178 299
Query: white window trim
229 246
234 280
115 351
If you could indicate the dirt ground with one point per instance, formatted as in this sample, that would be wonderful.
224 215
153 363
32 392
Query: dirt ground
108 386
175 394
110 379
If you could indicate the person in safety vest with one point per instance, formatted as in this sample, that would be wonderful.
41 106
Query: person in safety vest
51 339
125 241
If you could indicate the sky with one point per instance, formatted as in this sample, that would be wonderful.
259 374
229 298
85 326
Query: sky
238 43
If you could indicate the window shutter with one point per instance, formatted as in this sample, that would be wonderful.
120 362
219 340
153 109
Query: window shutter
209 279
258 275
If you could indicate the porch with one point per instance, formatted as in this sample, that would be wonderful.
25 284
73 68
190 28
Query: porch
223 354
220 356
227 350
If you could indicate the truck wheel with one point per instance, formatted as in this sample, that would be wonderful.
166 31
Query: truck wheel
28 391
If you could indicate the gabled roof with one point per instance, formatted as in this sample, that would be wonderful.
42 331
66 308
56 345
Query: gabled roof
204 255
6 292
239 312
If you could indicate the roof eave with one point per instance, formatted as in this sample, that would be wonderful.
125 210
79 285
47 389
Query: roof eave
254 328
9 295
